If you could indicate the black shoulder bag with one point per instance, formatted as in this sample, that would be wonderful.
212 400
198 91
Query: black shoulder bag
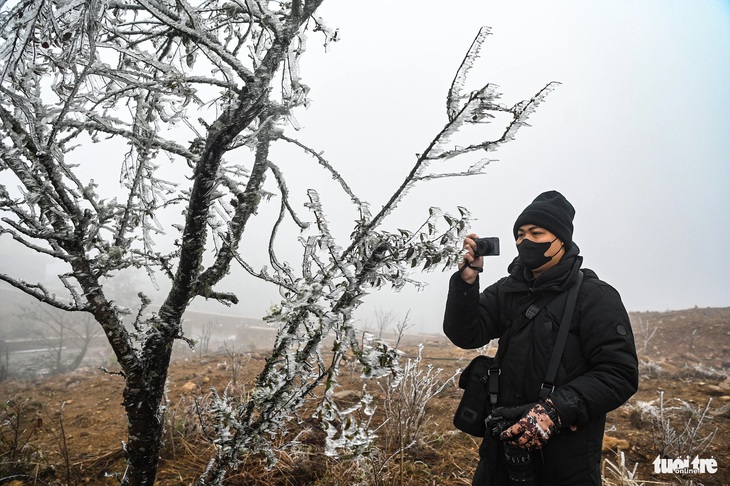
480 379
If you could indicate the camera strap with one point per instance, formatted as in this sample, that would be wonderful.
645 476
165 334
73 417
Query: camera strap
548 385
473 267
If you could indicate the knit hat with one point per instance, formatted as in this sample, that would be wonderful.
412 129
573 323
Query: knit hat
549 210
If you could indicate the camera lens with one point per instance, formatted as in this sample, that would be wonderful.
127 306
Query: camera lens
487 246
484 246
519 465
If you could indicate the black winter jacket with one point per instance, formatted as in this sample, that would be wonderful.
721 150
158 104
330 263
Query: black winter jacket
598 370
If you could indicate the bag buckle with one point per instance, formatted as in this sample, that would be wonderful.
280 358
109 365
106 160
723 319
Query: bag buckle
532 311
493 384
546 386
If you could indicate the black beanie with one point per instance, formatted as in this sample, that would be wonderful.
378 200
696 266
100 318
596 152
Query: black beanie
549 210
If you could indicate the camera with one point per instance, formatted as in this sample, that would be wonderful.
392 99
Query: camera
487 246
520 468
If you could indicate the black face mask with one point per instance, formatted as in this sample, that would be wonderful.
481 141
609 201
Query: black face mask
532 254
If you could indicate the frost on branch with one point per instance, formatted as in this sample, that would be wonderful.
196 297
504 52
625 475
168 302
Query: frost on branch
453 100
192 85
481 107
406 396
348 431
184 100
319 301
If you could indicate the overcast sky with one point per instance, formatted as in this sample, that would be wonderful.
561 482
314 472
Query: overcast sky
636 136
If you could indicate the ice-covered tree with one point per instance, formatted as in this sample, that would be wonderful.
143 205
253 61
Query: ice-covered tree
208 87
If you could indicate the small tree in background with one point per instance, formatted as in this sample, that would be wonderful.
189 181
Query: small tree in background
208 88
383 320
71 334
646 332
206 332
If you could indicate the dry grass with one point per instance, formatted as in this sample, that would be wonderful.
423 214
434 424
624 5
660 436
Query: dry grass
94 425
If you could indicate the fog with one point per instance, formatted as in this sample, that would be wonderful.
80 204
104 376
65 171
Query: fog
635 137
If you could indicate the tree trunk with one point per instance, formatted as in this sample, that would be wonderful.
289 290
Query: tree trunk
143 393
144 428
79 356
143 401
59 353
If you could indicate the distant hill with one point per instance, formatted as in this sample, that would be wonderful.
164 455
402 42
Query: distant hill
691 335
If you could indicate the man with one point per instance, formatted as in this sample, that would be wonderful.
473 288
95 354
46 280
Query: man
598 371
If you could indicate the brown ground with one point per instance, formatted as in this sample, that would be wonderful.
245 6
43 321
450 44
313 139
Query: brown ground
74 424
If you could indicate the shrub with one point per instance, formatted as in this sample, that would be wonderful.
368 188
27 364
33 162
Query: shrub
649 369
689 438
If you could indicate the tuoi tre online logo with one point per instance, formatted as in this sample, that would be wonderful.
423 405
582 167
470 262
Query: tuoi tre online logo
685 466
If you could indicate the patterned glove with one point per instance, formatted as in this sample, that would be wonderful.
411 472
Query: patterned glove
534 429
